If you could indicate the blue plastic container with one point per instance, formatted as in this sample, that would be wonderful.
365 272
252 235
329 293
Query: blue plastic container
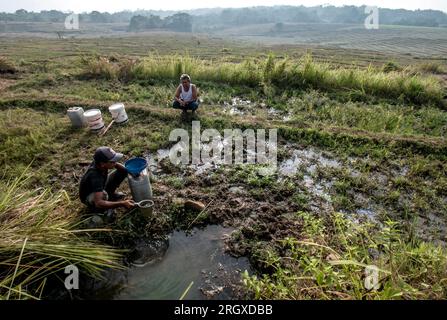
135 166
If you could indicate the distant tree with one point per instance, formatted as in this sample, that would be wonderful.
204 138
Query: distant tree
21 12
214 19
98 17
423 22
137 23
181 22
154 22
52 16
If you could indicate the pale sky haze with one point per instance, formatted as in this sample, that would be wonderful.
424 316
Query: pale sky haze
119 5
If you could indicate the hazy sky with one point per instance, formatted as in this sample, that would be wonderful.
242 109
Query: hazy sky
119 5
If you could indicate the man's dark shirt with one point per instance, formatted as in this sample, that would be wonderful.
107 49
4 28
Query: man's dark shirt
94 180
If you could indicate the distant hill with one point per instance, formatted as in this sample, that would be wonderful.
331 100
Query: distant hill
220 17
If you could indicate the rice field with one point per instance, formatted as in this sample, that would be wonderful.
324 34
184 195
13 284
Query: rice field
400 40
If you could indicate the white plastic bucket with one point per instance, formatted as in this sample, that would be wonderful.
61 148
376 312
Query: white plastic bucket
76 115
118 113
94 119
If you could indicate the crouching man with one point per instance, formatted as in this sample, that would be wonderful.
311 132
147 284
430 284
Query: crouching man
186 95
98 188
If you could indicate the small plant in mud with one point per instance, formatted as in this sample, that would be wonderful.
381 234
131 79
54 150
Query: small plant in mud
253 176
334 258
302 199
175 182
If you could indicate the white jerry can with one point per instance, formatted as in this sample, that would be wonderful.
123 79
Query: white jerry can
76 115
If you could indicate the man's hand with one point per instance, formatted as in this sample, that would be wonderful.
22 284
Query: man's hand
120 167
128 204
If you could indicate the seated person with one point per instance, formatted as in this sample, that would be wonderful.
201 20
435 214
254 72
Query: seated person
98 188
186 95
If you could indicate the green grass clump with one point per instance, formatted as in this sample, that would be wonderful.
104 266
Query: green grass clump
7 66
39 238
391 66
100 68
329 263
171 67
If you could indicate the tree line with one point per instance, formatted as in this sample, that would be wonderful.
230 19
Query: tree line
181 22
208 18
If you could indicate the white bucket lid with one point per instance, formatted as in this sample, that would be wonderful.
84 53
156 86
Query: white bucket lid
74 109
92 112
116 106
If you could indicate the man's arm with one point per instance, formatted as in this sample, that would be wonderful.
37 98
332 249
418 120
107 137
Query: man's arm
194 93
104 204
120 167
177 96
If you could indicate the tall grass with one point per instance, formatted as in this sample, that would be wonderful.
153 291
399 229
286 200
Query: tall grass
393 85
171 67
39 238
286 74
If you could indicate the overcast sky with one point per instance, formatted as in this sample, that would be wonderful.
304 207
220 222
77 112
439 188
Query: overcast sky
119 5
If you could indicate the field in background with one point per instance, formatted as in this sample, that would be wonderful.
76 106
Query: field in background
412 41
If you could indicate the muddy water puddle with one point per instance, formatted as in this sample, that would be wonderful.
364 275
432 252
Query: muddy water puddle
198 257
242 106
279 114
239 106
307 159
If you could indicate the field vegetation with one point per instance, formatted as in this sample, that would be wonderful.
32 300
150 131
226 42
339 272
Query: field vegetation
369 187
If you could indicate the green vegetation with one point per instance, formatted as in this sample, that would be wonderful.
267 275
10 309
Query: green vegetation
385 124
213 18
284 74
40 237
329 262
181 22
